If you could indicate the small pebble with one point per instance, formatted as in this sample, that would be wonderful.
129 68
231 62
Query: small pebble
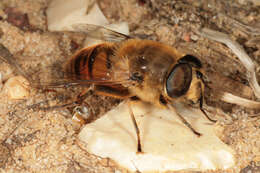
194 37
17 88
186 37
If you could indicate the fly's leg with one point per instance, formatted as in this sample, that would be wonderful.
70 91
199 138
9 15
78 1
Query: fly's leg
202 110
117 92
185 122
139 147
81 97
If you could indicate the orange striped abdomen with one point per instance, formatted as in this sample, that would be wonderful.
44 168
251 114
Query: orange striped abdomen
91 62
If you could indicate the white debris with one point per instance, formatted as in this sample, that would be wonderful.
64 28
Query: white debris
62 14
166 142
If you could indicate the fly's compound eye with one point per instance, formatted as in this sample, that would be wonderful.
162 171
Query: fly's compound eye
179 80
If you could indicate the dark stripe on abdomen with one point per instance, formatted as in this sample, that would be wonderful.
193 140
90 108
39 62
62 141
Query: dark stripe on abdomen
109 52
77 65
91 60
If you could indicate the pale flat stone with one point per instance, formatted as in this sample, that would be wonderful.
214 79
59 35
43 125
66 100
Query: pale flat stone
167 143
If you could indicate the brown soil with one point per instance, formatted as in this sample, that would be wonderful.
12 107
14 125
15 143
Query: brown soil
38 140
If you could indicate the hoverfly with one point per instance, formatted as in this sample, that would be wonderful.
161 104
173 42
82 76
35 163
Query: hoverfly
130 68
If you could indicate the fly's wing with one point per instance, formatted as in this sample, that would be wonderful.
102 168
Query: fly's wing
100 32
40 78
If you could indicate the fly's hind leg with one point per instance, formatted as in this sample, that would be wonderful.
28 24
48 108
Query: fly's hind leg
80 98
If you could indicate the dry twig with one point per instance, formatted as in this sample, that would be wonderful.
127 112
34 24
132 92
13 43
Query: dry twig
245 60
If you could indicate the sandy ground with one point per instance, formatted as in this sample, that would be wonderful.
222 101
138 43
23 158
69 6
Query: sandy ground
35 140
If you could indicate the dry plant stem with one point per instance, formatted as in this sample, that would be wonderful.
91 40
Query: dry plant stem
7 57
239 51
248 29
230 98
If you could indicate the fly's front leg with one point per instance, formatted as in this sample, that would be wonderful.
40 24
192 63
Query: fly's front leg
202 110
201 100
185 122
